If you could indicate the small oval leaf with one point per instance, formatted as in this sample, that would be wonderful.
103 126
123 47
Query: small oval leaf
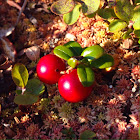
90 6
34 86
136 25
75 47
26 99
137 33
106 13
123 10
117 25
86 75
71 17
63 52
20 75
136 18
93 52
127 34
62 6
87 134
104 61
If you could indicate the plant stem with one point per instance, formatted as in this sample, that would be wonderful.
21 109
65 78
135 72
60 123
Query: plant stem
22 9
23 90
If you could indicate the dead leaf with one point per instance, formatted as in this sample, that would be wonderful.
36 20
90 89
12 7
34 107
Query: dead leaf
4 63
33 53
6 32
127 43
13 4
16 120
8 48
9 132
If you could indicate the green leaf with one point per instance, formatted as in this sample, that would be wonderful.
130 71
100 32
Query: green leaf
62 6
71 17
117 25
84 61
18 92
123 10
34 86
93 52
25 99
136 25
65 131
20 75
137 1
90 6
104 61
87 134
72 62
75 47
91 15
69 133
127 34
137 33
86 75
136 18
106 13
111 3
63 52
139 41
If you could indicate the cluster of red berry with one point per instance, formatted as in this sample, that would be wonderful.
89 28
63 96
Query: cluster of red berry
71 89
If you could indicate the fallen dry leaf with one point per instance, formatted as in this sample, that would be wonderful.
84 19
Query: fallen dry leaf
6 32
13 4
8 48
33 53
4 63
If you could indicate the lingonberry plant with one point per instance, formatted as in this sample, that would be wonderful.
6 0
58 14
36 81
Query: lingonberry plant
28 91
77 85
121 14
77 82
70 9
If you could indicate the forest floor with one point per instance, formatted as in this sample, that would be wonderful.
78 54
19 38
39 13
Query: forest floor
112 109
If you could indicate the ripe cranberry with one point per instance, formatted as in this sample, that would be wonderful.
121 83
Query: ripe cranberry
71 89
49 67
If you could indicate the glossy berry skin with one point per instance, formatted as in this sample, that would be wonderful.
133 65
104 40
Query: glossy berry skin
71 89
49 68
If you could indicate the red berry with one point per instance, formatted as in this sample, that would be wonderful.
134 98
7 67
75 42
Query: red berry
71 89
49 67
